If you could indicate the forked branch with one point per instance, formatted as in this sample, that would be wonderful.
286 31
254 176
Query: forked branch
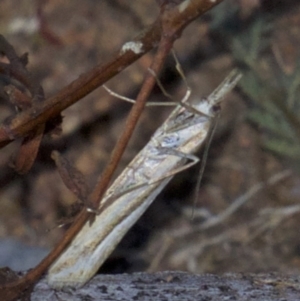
164 31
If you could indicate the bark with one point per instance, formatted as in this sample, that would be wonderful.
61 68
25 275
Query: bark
177 286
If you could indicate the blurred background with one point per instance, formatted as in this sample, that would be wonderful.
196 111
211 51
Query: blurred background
246 214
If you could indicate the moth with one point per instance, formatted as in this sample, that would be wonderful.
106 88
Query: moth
169 151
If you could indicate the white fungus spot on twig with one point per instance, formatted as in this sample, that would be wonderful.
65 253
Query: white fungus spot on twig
184 5
136 47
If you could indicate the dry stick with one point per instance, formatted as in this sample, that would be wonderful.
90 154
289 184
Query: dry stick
163 50
175 21
177 18
23 123
236 204
33 275
95 197
16 69
195 249
166 154
240 201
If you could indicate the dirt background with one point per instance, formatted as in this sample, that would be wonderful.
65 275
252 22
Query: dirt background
65 39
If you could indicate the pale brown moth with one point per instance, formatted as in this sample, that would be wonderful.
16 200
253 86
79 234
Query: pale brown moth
169 151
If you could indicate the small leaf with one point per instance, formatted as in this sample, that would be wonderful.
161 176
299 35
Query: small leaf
30 145
72 177
28 151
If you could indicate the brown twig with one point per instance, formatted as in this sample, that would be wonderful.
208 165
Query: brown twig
16 69
23 123
165 30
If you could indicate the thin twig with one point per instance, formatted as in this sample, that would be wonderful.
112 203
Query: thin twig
173 21
165 29
238 203
213 221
